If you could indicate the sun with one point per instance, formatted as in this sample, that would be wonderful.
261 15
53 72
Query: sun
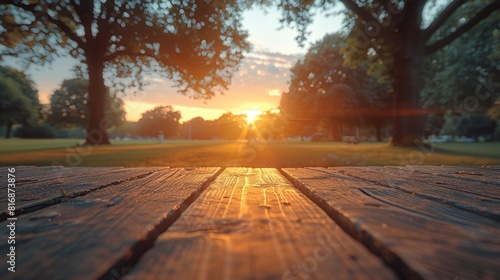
252 115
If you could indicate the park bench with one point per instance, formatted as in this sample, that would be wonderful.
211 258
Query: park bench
413 222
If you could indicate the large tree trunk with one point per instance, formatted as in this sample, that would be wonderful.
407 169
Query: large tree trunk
408 120
96 129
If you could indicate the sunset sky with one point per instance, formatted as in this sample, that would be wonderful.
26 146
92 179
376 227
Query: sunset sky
262 75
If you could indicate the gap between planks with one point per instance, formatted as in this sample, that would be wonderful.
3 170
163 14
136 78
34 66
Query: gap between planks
459 197
459 244
103 233
253 224
142 246
401 268
56 195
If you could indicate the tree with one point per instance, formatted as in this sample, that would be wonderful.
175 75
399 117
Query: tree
127 129
162 118
459 80
454 74
195 44
68 105
197 129
230 126
391 33
269 125
323 88
18 99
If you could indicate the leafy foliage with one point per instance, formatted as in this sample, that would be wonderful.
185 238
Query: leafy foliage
127 129
459 70
26 85
198 129
15 106
36 131
68 105
195 44
18 99
323 88
231 126
269 125
394 38
162 118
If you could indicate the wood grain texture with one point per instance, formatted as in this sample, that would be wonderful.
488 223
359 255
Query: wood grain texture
420 238
470 196
50 175
32 172
468 173
66 182
103 232
41 176
252 224
473 186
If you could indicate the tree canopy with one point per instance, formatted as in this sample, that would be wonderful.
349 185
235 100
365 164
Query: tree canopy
18 99
231 126
195 44
322 88
394 37
457 71
198 129
161 118
68 105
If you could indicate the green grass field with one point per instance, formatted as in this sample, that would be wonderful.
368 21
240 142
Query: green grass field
66 152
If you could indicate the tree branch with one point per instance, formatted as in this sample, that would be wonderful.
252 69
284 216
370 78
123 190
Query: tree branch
85 11
61 25
102 20
360 11
129 53
484 13
385 31
438 22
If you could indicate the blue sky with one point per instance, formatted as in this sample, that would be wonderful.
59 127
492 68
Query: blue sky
263 74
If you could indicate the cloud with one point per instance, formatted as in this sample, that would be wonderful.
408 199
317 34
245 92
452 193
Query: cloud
273 69
274 92
261 78
280 56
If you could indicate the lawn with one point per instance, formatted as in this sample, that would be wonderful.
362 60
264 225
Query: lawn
239 153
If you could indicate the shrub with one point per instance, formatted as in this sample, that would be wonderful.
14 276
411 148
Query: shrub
36 131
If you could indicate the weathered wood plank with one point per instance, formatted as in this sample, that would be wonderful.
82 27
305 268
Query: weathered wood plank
101 233
469 173
431 188
28 172
497 167
40 176
31 197
21 167
420 238
252 224
475 187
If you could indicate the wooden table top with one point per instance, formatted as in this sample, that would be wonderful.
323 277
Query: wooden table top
413 222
